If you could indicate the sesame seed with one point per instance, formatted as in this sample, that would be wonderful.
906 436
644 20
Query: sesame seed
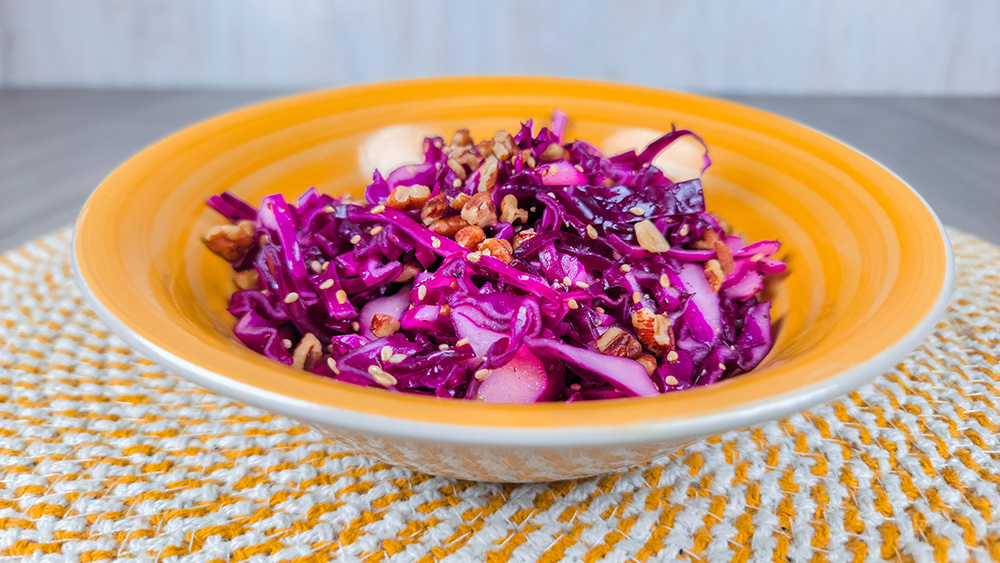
578 167
637 211
325 265
333 366
456 183
722 365
625 268
291 297
377 230
552 195
341 296
421 292
397 358
575 386
636 297
582 285
328 209
462 342
385 353
326 285
664 280
473 257
599 310
381 377
671 356
483 374
435 242
685 229
286 343
572 304
591 232
757 257
378 209
264 240
355 239
316 266
670 380
532 209
443 347
355 326
567 281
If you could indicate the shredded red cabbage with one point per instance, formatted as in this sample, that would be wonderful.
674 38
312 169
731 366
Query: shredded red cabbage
519 269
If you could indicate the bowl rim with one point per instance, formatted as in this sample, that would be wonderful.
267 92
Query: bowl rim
583 434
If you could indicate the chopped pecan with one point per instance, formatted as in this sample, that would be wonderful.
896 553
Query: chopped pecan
307 353
485 148
470 237
449 226
725 256
230 241
650 238
527 158
404 198
707 242
655 332
617 342
434 209
410 269
488 174
648 362
714 275
469 158
497 248
523 237
479 210
247 279
459 202
457 168
510 212
555 151
383 325
461 138
503 145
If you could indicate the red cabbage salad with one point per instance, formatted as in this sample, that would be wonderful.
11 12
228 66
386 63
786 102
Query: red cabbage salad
519 269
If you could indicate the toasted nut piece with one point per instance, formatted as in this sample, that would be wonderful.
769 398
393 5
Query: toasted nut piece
459 202
523 237
404 198
497 248
527 158
650 238
470 237
307 353
510 212
707 242
435 208
461 138
553 152
469 158
714 275
230 241
655 332
384 325
725 256
449 226
648 362
503 145
479 210
485 148
457 168
410 269
617 342
488 174
247 279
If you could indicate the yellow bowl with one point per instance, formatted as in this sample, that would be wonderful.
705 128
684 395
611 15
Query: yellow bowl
870 266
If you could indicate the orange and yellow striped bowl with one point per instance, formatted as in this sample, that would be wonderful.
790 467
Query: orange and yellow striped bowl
870 266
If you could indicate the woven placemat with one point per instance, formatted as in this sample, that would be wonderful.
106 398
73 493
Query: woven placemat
105 456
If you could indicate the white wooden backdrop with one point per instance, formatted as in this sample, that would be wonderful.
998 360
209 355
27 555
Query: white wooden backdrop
777 46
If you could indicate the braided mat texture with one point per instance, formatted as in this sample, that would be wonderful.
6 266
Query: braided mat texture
104 456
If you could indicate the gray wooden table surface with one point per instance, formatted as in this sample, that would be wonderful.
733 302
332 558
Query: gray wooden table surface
57 145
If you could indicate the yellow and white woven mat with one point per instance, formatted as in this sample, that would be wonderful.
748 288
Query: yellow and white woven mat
105 456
